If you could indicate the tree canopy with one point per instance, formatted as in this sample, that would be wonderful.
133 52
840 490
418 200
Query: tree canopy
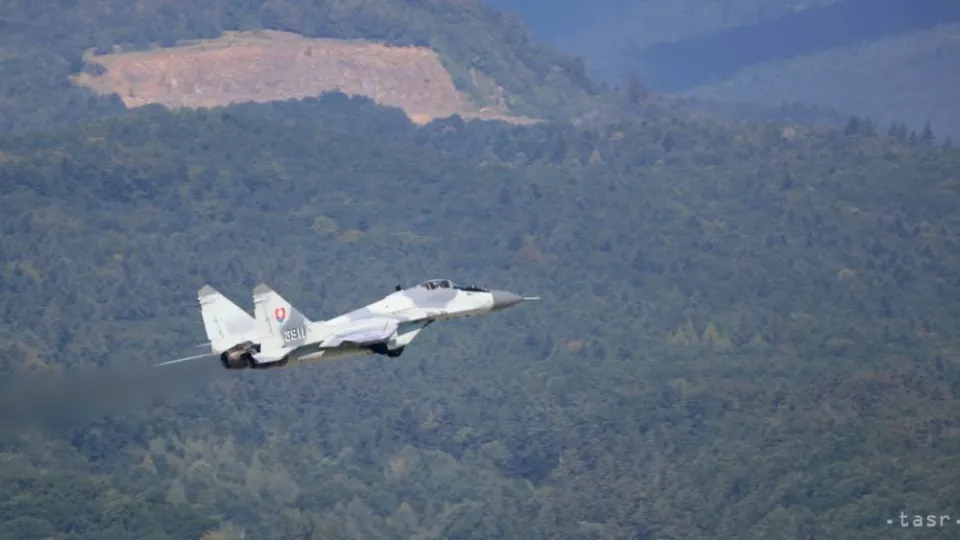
747 331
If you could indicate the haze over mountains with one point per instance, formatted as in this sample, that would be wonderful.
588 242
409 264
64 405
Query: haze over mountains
747 330
892 60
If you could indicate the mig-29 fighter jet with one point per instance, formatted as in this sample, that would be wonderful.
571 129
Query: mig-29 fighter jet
279 335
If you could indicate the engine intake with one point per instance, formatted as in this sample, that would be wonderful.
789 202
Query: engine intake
381 348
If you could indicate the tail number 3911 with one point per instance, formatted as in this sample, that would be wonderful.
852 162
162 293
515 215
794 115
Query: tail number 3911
295 333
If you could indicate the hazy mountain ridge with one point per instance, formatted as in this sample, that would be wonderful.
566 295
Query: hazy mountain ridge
871 79
718 55
646 22
895 55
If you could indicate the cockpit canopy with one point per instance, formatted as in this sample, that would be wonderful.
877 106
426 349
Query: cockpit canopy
447 284
437 284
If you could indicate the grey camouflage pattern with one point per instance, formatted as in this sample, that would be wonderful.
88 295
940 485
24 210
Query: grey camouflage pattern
266 302
280 332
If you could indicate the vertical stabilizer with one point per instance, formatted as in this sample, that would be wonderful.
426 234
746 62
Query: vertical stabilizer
224 322
278 323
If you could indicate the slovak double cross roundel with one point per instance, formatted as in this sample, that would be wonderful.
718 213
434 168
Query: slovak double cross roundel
280 314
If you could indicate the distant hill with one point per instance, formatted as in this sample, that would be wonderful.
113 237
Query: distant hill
602 30
648 21
889 59
490 57
910 78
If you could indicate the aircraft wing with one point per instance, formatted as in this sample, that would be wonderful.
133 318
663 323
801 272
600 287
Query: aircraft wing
363 332
416 314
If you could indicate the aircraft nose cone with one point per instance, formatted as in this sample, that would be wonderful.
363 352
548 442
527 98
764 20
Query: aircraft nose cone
505 299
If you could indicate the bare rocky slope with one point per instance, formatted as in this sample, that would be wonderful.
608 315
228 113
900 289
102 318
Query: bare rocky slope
266 65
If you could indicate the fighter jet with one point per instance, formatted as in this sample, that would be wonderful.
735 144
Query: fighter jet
279 335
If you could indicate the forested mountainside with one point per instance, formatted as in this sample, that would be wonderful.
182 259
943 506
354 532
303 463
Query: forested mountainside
745 332
908 78
893 60
647 22
42 43
784 113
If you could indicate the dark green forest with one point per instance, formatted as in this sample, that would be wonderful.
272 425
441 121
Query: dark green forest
746 332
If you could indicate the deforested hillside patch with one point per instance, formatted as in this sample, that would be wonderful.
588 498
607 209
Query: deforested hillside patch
490 57
260 66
